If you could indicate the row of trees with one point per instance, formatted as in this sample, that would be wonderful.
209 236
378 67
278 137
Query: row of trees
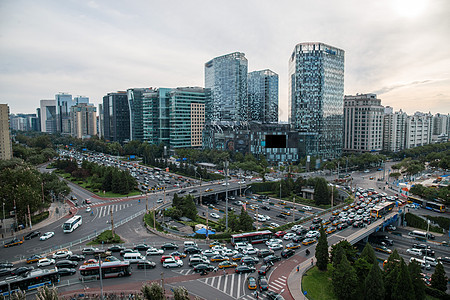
238 223
432 193
182 207
99 177
360 277
24 185
290 188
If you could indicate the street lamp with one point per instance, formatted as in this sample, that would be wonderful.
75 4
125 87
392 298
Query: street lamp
101 281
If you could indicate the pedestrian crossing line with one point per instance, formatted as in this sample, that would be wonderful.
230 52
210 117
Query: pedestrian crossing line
277 285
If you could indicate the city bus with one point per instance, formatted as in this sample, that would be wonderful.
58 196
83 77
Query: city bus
72 224
251 237
430 205
31 281
381 209
110 269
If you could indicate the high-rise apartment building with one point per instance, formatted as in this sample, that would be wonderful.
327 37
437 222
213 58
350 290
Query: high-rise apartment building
83 120
63 104
394 130
441 124
316 98
100 121
48 116
263 96
116 117
5 134
363 123
187 116
418 130
226 78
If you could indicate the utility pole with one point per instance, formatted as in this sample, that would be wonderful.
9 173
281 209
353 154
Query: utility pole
207 227
162 282
226 194
154 216
42 185
146 203
29 216
293 211
100 270
112 222
164 189
332 195
15 217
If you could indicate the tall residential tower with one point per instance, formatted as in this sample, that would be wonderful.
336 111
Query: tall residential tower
316 98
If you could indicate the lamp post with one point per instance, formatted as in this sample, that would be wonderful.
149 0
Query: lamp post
101 281
226 194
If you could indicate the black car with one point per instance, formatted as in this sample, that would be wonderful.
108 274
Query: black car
116 248
265 207
192 191
203 267
76 257
444 260
314 227
271 258
265 252
317 220
31 235
21 270
146 264
244 269
192 250
66 264
169 246
66 271
141 247
263 284
342 226
298 239
264 269
287 253
5 272
358 224
427 252
421 246
281 216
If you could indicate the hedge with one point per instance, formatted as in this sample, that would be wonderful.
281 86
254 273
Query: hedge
39 218
437 293
418 222
106 238
443 222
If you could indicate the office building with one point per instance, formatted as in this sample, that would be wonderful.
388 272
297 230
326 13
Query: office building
136 98
187 116
24 122
81 99
363 123
156 116
5 134
226 78
48 116
116 117
100 121
83 120
263 96
316 96
63 104
418 130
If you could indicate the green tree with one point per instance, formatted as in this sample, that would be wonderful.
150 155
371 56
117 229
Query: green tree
362 268
391 271
245 221
47 293
339 252
374 285
321 192
321 254
180 293
416 280
344 280
189 208
153 292
403 288
438 279
368 254
349 250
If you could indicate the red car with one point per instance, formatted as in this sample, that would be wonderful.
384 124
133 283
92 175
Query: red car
164 257
280 233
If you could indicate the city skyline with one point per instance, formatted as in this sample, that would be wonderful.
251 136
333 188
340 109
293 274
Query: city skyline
92 48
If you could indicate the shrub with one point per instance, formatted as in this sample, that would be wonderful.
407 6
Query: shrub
148 219
107 238
418 222
443 222
40 217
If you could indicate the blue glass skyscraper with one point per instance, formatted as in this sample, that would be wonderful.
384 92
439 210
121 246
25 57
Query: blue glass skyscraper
316 98
263 96
226 78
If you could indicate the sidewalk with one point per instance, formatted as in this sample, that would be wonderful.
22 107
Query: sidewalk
53 216
295 279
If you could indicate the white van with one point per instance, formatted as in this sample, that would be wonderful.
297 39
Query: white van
430 260
133 258
188 244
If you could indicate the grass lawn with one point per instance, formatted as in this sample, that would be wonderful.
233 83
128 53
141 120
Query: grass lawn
114 195
317 284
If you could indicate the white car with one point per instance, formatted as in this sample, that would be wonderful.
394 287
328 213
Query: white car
240 246
307 208
214 215
209 253
312 234
273 241
261 218
88 209
229 252
296 227
62 254
46 236
274 225
289 236
154 251
172 263
159 201
267 217
275 247
45 262
250 251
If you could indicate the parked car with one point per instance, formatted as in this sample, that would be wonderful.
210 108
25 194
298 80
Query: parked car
271 259
203 267
141 247
154 251
32 234
265 252
123 252
248 260
111 258
46 236
172 263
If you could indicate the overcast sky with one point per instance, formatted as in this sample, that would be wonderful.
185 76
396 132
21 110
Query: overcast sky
398 49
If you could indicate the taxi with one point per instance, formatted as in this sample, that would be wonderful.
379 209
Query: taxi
34 258
293 246
237 257
336 213
251 283
13 242
219 258
308 241
227 264
178 254
383 249
90 261
331 230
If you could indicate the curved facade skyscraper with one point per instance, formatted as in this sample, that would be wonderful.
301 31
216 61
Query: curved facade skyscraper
316 98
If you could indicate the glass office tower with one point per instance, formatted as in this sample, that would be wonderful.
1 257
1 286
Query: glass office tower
63 104
136 98
226 78
263 96
116 117
316 98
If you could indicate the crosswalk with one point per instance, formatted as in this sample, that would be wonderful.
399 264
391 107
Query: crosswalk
234 285
278 284
104 211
